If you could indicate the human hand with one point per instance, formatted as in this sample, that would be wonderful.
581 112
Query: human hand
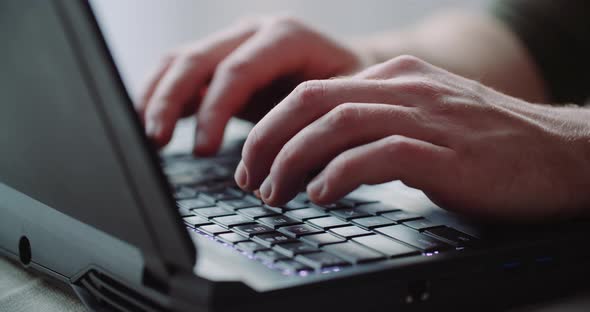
470 148
218 77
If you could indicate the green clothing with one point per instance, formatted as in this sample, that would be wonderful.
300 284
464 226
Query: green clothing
557 35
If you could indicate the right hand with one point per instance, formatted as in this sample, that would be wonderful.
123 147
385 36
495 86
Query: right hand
243 70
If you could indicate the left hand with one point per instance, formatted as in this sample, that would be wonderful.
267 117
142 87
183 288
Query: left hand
469 148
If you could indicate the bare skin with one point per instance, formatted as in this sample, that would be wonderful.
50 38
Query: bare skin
471 148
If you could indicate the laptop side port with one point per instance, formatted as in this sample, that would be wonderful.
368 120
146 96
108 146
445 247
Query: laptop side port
418 291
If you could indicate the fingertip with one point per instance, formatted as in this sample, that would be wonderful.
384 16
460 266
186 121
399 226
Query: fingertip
315 190
205 145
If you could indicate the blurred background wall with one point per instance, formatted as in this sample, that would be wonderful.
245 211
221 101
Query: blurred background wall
140 31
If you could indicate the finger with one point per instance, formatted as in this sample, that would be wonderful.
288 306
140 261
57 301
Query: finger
397 66
346 126
186 77
416 163
153 81
263 58
306 103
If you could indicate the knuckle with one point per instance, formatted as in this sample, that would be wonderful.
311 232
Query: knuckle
309 92
397 145
407 63
284 20
402 64
420 86
234 67
343 115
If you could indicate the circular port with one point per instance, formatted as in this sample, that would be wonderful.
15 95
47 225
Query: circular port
24 250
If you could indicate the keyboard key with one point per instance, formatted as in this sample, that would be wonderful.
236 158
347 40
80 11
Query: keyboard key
328 222
269 256
300 230
322 239
376 208
278 221
291 266
250 247
350 231
386 246
273 238
252 229
233 220
293 205
213 229
257 212
321 260
353 252
401 216
352 201
293 249
238 203
335 206
196 221
302 198
422 224
372 222
233 238
222 194
183 212
213 212
184 193
306 213
412 237
195 203
453 237
349 213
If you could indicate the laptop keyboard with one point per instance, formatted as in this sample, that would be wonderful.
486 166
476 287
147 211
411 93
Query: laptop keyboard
302 238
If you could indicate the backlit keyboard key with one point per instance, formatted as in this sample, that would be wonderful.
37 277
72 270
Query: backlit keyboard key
412 237
195 203
273 238
213 212
257 212
306 213
349 213
322 239
386 246
233 220
328 222
252 229
321 260
300 230
422 224
401 216
196 221
353 252
232 238
278 221
372 222
453 237
213 229
350 231
293 249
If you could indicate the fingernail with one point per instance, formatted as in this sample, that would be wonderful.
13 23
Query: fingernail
266 188
315 188
201 143
241 175
151 129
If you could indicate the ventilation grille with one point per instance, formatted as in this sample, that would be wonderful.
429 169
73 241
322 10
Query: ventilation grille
114 295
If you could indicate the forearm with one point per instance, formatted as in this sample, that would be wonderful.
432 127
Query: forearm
471 44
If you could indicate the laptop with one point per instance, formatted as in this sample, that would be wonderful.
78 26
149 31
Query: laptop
85 199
